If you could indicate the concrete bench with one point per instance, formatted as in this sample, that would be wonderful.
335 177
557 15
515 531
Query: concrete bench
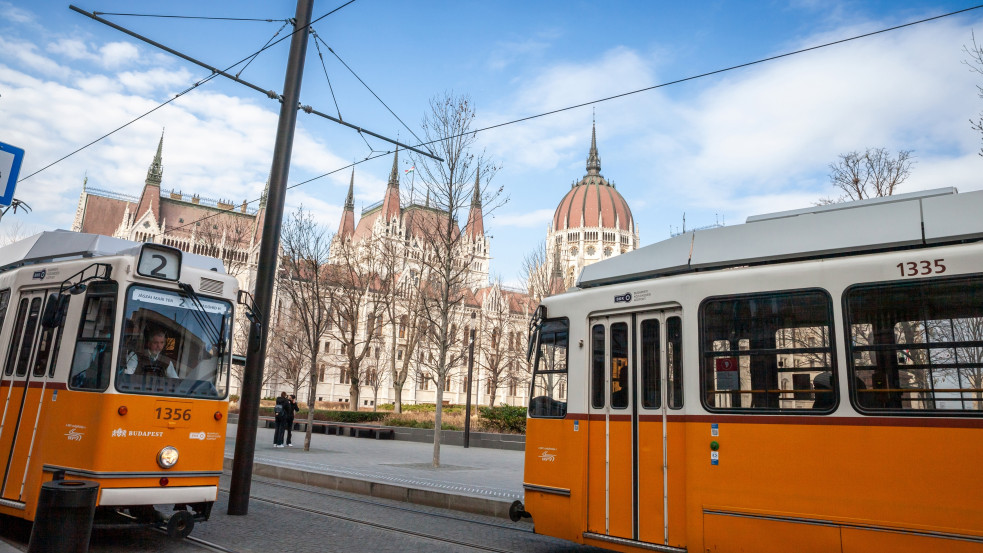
338 429
365 431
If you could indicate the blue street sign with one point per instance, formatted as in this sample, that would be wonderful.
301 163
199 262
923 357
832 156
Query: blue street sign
10 160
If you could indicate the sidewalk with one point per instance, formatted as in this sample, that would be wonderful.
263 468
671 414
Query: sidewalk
477 480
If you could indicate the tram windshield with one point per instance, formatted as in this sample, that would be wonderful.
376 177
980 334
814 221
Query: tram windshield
172 345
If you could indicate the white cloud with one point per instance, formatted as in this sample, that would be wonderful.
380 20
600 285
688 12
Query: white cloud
115 54
14 14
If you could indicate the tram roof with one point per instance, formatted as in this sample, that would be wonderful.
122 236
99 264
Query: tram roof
59 245
905 220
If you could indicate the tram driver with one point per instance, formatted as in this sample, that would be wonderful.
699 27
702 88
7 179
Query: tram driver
151 361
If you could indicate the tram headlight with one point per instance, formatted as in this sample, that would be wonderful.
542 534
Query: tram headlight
167 457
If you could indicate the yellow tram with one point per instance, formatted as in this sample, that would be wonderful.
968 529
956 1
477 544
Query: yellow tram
115 366
811 380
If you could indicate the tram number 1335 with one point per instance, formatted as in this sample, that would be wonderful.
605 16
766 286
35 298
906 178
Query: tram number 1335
921 267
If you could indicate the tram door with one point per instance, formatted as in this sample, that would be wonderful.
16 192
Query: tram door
631 393
26 364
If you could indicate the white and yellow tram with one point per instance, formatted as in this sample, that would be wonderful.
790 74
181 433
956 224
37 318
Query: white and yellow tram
808 381
86 393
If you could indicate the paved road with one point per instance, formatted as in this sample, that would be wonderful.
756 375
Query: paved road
292 517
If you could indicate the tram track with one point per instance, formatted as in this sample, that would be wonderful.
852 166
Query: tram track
429 513
386 527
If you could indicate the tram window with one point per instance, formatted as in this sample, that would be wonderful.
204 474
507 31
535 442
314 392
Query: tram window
4 300
651 373
754 345
549 381
619 365
18 328
44 348
172 346
93 348
674 359
917 346
597 366
33 314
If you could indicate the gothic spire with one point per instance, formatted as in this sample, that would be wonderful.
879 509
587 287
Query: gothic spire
476 197
350 200
156 171
475 228
390 203
593 160
347 227
394 174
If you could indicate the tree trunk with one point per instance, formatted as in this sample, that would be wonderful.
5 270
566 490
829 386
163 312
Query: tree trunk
438 411
397 399
311 404
353 393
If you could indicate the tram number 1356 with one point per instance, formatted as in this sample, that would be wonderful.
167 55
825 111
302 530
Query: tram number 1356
173 414
921 267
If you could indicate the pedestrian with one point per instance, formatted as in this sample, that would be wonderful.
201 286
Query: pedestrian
280 417
288 411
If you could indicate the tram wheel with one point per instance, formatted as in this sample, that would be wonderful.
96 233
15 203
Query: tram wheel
180 525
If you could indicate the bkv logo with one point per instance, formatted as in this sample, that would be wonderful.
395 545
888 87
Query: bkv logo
626 298
40 274
197 436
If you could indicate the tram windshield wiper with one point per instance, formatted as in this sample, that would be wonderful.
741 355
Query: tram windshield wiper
217 336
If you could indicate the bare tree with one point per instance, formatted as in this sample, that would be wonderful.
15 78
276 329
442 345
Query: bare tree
353 288
871 174
541 271
305 285
402 302
446 257
975 63
288 355
492 345
15 231
227 237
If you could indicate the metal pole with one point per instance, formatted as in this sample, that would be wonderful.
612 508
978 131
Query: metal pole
467 414
242 464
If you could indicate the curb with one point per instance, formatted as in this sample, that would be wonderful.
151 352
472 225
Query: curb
418 496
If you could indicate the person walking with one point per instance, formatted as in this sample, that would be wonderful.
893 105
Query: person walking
280 417
289 408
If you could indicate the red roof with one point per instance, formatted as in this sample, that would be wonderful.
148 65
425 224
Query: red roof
593 203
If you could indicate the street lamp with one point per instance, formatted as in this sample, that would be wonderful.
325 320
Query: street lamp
467 413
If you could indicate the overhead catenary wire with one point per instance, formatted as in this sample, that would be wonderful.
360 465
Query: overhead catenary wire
527 118
367 87
694 77
324 67
191 17
258 52
190 88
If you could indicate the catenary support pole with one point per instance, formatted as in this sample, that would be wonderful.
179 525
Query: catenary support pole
242 464
467 412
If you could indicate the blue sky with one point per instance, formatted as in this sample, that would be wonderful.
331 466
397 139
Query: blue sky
749 141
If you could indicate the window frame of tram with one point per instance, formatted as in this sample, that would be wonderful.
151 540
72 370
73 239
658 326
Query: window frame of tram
48 344
550 405
752 345
650 361
911 335
98 334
